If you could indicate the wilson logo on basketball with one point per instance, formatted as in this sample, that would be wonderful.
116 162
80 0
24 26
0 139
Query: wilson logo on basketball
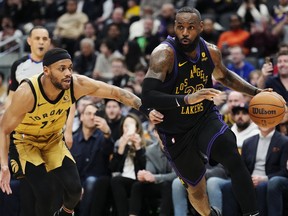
263 111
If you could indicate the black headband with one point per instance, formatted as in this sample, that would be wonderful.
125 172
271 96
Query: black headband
55 55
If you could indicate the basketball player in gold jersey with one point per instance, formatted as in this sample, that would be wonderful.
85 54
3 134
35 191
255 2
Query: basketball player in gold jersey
37 114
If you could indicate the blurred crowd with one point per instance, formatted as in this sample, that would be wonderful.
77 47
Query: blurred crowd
125 172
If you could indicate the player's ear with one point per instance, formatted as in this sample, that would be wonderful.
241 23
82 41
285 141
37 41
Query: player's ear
28 40
46 70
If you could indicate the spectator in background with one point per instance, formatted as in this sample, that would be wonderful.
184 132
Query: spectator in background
102 70
261 42
254 76
114 117
243 127
121 76
133 11
166 17
133 55
209 33
139 75
234 98
236 35
117 17
103 11
154 182
128 159
279 82
238 63
70 26
90 31
85 59
9 30
265 156
52 10
148 41
136 29
156 5
80 105
253 11
22 11
92 146
114 34
280 20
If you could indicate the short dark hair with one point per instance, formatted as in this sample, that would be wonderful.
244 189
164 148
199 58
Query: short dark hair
37 27
187 9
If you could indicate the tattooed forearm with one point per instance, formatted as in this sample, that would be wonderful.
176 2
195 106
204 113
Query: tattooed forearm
235 82
129 99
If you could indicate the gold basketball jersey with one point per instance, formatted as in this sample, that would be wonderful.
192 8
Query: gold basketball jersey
47 117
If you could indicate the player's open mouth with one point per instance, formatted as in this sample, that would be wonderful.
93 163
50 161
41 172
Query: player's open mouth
185 41
41 48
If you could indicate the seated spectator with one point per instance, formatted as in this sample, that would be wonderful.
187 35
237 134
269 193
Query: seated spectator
80 105
90 31
133 55
254 76
279 20
236 35
92 147
209 33
114 116
136 29
238 64
252 11
148 41
265 156
128 159
278 82
121 75
9 30
102 70
261 42
234 98
153 183
166 17
133 11
84 60
70 26
243 127
117 18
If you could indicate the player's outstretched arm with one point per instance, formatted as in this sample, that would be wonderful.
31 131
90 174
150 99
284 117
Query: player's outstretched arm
22 102
229 78
87 86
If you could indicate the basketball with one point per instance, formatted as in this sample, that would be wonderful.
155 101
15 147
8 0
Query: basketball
267 109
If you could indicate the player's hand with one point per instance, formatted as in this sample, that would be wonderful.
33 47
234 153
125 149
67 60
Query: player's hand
202 94
156 117
220 99
5 180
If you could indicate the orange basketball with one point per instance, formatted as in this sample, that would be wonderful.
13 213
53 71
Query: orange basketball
267 109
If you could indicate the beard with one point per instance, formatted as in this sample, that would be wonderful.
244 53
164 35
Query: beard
57 84
242 125
187 48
